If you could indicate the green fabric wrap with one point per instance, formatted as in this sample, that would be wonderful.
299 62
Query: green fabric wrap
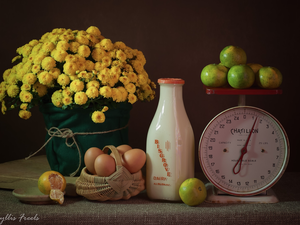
62 152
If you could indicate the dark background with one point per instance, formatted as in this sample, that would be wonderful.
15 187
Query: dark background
178 38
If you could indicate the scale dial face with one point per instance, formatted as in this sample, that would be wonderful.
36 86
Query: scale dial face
236 171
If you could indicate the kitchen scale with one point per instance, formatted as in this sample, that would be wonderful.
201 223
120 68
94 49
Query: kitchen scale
243 151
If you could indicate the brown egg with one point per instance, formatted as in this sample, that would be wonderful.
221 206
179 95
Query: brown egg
89 158
133 160
105 165
121 149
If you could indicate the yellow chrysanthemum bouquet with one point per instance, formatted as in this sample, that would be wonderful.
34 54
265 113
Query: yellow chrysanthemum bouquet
72 69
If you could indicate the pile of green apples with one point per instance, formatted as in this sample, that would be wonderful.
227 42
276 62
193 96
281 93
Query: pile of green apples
234 71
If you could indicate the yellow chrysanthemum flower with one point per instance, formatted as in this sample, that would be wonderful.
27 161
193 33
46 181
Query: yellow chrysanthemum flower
82 39
63 79
119 45
29 78
12 78
106 91
117 63
98 54
128 68
121 55
98 66
98 117
93 39
140 95
104 76
146 90
80 58
20 74
93 30
80 98
89 65
67 92
116 95
39 58
105 108
84 51
132 98
125 80
67 100
59 55
48 63
130 87
35 69
3 108
80 65
48 46
116 70
106 44
23 106
63 45
27 67
6 74
25 96
31 58
2 93
13 90
70 68
71 58
25 50
87 76
138 66
114 78
106 61
36 48
123 92
56 98
40 89
140 57
77 85
142 79
24 114
132 77
92 92
55 72
93 83
25 87
45 78
33 42
74 46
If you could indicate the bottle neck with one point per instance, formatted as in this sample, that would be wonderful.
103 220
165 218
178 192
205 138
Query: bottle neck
170 93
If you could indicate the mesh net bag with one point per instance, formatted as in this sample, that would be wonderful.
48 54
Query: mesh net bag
119 185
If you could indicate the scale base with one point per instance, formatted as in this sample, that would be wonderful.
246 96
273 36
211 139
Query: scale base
214 196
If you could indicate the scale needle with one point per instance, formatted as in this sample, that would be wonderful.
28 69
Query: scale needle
243 151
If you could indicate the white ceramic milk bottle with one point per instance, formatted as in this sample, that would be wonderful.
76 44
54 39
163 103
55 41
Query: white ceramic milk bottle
170 144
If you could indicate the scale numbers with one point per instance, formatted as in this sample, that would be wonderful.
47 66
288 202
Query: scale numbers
227 167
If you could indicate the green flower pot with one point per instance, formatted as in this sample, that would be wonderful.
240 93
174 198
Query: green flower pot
72 132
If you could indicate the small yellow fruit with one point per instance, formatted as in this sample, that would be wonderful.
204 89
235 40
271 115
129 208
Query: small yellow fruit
192 191
53 183
233 55
255 67
241 76
269 77
214 75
